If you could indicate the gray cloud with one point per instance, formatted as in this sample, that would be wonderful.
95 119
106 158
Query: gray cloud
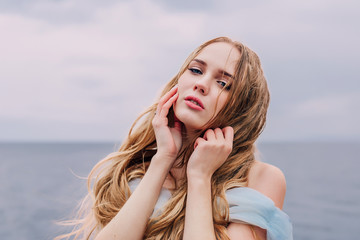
66 64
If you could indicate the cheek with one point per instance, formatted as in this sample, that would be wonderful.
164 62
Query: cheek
183 87
180 85
221 102
185 81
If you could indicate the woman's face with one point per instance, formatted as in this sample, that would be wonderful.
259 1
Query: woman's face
200 85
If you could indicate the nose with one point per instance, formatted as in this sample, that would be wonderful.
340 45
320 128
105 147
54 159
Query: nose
202 85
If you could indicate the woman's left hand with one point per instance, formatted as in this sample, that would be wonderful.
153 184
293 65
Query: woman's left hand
210 152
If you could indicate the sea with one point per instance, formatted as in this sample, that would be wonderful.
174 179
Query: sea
41 184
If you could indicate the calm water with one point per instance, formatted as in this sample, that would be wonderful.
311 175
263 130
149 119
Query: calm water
39 186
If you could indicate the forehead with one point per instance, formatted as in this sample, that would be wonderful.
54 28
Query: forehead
220 55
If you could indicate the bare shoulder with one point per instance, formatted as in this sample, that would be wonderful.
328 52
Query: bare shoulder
269 180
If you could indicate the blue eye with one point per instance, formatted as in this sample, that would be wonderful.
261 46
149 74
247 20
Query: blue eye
195 70
223 84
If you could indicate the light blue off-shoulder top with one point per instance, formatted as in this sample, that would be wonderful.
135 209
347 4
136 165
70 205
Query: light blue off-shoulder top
246 205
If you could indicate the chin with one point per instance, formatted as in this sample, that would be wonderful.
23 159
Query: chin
188 120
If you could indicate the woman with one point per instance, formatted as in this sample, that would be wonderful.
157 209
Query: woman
187 168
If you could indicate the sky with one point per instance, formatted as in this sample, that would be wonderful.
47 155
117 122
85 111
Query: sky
84 70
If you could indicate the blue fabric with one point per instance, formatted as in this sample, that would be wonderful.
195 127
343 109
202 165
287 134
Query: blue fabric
252 207
246 205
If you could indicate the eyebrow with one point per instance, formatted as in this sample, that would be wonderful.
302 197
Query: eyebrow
220 71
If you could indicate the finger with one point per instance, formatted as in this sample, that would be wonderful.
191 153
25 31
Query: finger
165 108
219 134
178 125
209 135
199 141
165 98
228 133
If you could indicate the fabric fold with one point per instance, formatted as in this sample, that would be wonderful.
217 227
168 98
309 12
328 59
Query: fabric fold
246 205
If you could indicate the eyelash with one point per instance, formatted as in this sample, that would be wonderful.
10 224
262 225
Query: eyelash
221 83
195 70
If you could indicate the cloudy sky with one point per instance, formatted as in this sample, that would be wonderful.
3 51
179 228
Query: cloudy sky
83 70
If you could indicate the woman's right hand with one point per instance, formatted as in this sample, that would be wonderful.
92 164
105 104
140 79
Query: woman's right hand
131 221
168 140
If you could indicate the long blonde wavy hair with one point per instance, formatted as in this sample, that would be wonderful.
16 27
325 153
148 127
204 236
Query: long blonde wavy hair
108 182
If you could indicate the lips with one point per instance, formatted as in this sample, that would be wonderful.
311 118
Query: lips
194 102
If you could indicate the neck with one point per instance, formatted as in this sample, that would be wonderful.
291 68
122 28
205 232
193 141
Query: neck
179 173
